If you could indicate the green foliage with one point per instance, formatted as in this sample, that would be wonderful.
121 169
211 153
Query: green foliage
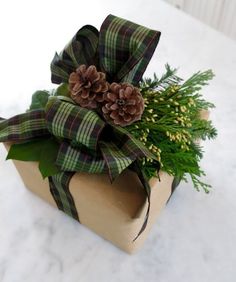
48 157
39 99
44 151
61 90
171 124
28 151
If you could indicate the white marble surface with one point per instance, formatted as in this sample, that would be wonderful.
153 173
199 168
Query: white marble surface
194 240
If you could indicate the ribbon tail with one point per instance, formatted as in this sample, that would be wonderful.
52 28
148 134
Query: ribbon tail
59 188
135 166
174 185
116 160
122 151
23 127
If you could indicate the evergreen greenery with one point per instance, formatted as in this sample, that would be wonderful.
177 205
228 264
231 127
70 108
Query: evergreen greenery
171 125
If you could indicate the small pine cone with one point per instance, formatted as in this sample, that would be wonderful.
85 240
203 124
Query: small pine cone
87 86
123 104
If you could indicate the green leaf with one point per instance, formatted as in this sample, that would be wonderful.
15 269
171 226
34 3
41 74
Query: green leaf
39 100
48 157
28 151
44 151
62 90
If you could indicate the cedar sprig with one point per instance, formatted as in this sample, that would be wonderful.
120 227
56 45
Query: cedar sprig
171 124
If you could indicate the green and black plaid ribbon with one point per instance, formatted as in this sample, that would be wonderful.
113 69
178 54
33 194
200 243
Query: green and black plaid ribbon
59 188
23 127
122 50
125 49
83 147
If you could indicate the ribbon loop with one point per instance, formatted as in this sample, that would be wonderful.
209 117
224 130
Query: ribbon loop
125 49
80 50
72 122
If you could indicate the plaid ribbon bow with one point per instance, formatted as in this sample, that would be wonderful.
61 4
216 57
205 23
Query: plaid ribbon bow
84 146
122 50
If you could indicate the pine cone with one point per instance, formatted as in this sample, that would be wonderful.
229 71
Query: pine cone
123 104
87 86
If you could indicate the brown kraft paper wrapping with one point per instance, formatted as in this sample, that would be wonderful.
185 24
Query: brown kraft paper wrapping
114 211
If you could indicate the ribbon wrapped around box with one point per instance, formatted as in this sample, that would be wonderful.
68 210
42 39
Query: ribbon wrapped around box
95 177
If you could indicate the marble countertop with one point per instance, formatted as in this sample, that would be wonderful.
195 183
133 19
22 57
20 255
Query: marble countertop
194 239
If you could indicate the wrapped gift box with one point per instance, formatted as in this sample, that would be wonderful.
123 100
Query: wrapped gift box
86 114
114 211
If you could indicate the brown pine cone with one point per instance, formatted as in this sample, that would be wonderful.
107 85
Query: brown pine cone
87 86
123 104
